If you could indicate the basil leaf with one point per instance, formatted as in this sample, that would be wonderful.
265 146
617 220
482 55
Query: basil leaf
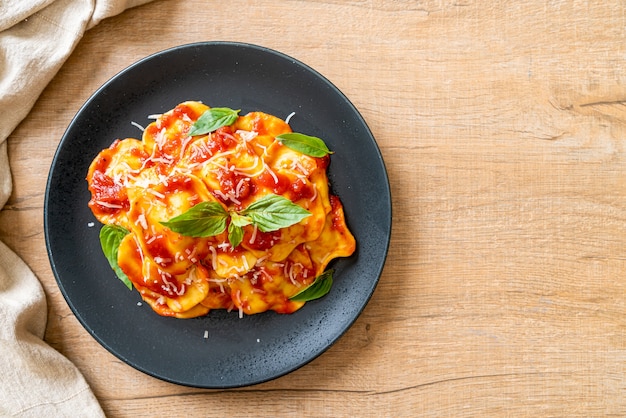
205 219
239 220
235 229
235 234
308 145
320 287
110 238
272 212
212 119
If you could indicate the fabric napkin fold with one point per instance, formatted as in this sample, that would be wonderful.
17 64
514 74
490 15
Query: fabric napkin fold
36 37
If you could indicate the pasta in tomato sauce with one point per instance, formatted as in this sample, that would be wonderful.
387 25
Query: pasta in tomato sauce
150 187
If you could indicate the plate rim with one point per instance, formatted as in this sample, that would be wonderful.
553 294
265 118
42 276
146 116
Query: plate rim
156 55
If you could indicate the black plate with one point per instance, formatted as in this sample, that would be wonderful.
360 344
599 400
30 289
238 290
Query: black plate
237 352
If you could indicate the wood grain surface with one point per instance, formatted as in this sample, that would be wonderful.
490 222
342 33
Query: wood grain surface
503 128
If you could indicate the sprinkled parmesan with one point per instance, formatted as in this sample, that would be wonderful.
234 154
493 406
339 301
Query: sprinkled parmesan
141 221
246 135
245 263
157 194
227 196
162 261
262 259
138 126
166 159
140 251
109 205
238 303
314 192
213 257
240 186
253 236
184 144
180 291
269 170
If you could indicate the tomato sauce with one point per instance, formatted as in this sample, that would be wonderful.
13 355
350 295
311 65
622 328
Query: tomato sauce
105 192
278 185
222 139
323 162
234 184
178 183
262 240
299 189
139 153
298 272
156 247
259 125
337 214
183 109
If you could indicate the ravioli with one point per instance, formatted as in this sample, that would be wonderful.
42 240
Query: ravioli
141 184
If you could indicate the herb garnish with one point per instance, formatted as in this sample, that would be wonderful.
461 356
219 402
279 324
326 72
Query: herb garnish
270 213
213 119
110 238
205 219
308 145
320 287
217 117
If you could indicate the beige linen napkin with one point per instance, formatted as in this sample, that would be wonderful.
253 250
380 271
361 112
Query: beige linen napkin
36 37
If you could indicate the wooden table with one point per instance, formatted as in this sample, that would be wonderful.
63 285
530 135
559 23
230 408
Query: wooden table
503 129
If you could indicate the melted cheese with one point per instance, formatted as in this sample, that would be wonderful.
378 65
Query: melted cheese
139 184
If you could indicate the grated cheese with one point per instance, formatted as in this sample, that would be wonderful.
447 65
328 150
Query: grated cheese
246 135
213 257
269 170
138 126
141 221
157 194
253 237
314 193
160 139
109 205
